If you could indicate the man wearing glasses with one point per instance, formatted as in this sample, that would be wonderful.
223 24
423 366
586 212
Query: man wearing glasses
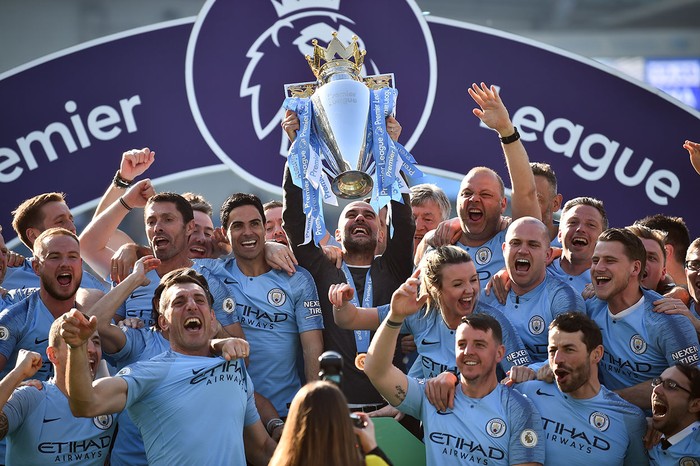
675 403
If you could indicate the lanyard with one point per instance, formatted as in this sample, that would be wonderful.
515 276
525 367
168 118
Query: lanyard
362 337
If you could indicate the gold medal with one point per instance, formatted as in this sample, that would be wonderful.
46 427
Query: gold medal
360 361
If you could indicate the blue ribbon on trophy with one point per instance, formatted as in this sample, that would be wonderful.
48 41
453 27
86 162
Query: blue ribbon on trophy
342 148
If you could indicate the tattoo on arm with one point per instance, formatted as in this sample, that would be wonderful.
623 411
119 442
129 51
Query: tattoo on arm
400 394
4 425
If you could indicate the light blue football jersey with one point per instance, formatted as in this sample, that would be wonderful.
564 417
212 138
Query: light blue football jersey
42 430
532 312
139 304
488 258
435 341
683 452
603 430
274 309
503 428
12 297
26 326
191 409
577 282
640 343
141 344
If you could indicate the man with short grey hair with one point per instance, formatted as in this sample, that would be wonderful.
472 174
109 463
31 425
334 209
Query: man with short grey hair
430 206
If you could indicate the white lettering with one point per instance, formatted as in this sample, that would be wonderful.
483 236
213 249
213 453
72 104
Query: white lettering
596 154
102 124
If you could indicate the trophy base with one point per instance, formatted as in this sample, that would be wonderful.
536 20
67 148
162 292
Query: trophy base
352 184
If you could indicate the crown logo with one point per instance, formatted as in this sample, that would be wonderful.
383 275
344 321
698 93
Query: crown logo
284 7
335 49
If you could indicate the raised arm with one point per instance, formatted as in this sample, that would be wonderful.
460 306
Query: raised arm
493 113
133 164
389 380
94 239
88 399
28 363
113 338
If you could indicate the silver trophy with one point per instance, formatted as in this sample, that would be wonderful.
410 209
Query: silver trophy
341 103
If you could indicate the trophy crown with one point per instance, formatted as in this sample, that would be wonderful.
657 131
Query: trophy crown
336 53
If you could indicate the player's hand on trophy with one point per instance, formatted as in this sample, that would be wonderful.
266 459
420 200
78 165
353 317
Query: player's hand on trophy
290 124
393 127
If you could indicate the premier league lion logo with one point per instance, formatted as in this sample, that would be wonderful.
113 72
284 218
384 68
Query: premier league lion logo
241 54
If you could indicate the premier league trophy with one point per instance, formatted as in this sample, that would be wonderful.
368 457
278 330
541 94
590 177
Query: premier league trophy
342 147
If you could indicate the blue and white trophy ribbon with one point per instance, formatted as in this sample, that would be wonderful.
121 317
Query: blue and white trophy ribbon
313 167
342 148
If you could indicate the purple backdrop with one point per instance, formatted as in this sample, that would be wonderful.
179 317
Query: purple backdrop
210 92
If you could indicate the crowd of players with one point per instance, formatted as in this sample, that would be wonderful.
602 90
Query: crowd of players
513 340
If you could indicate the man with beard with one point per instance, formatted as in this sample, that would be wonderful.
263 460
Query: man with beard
169 220
583 421
32 217
488 423
280 314
25 325
374 278
535 297
675 405
37 422
481 201
639 343
582 220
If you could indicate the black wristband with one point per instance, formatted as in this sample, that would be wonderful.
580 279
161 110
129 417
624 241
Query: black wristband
124 204
120 182
512 138
393 324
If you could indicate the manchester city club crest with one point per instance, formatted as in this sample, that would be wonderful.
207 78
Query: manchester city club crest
235 92
496 427
276 297
599 420
103 421
536 325
4 333
229 305
637 344
688 461
483 255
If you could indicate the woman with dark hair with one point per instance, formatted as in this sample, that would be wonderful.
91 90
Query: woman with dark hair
319 430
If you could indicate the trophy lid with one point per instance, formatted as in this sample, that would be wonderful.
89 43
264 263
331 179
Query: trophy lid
337 57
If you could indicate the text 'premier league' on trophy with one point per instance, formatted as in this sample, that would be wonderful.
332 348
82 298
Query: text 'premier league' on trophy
342 148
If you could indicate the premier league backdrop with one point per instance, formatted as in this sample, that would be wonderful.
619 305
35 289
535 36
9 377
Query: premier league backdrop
209 92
